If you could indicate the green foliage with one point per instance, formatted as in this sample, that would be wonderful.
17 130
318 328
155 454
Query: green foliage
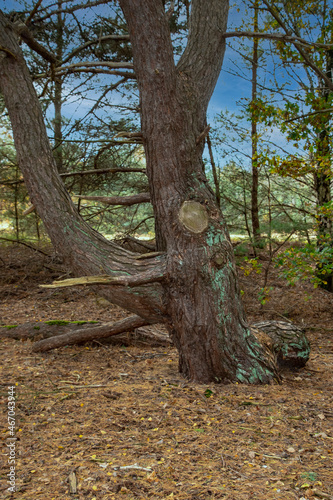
250 266
310 476
58 322
308 263
263 295
208 393
285 205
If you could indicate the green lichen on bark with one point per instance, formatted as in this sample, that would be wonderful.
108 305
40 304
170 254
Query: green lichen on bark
193 216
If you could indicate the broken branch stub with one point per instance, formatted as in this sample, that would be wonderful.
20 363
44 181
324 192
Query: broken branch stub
193 216
150 276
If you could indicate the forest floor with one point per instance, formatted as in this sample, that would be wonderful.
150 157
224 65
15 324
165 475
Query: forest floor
121 421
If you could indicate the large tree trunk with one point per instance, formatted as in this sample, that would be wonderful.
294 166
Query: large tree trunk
200 300
206 316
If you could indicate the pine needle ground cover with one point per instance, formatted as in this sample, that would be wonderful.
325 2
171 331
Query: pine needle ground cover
117 421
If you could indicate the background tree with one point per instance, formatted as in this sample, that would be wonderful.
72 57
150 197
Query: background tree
307 118
297 39
254 134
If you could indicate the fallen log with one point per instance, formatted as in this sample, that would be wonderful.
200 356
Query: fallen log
93 333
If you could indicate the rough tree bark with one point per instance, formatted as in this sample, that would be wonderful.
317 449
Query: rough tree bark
57 97
205 313
322 180
199 298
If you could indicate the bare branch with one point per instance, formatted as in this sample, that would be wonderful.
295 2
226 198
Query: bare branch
203 135
70 10
107 200
277 36
318 112
119 200
33 12
130 135
89 67
97 332
151 276
102 171
22 30
60 72
25 244
28 211
169 13
107 64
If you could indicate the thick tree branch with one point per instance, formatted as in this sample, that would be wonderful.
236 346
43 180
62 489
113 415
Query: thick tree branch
202 60
70 70
130 135
154 275
107 200
107 64
98 332
119 200
22 30
203 135
99 171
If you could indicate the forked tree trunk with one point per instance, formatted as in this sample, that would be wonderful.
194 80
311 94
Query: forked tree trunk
200 300
205 313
